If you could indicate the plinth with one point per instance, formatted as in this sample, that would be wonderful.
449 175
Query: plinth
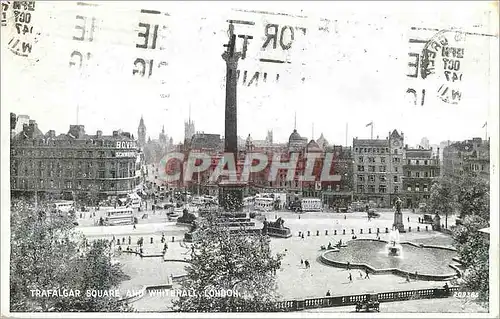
231 196
398 222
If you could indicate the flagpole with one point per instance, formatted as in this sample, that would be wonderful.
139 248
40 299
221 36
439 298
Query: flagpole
372 130
486 130
346 131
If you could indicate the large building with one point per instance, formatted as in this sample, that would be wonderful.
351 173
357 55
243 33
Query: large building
378 169
421 169
467 156
73 165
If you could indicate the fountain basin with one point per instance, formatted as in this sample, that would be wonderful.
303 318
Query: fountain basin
430 262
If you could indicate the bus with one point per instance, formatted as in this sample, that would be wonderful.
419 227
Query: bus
248 201
119 216
134 200
64 207
265 204
311 205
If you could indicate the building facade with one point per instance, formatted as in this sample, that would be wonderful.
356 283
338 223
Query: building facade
378 169
467 156
421 169
73 165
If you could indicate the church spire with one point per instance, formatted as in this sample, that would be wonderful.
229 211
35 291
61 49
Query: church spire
295 121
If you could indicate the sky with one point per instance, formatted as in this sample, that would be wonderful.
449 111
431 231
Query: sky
347 66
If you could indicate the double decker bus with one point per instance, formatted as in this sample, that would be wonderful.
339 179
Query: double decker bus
265 204
119 216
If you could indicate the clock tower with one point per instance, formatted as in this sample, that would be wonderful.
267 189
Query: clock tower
395 173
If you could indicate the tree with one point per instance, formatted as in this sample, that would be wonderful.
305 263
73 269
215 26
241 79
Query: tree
222 261
473 196
473 251
45 255
442 198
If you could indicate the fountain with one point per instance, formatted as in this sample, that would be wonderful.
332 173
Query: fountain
393 247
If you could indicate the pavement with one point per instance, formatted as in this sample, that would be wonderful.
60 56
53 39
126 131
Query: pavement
293 280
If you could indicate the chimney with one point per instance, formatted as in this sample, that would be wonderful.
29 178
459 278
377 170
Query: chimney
99 134
115 133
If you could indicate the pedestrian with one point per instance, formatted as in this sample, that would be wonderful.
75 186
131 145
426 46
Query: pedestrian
408 218
345 217
328 293
307 264
367 276
416 275
407 278
350 277
348 266
360 275
301 262
134 226
302 235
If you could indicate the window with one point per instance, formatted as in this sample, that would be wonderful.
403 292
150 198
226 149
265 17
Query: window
360 159
426 174
371 159
371 168
396 189
396 169
395 151
425 162
417 174
382 160
112 185
371 178
361 178
408 174
337 187
356 149
68 184
371 188
100 174
383 178
382 189
361 188
426 189
409 162
409 188
361 168
395 179
417 162
417 188
382 168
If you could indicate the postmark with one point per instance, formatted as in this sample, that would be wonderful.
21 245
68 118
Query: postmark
440 60
443 58
19 17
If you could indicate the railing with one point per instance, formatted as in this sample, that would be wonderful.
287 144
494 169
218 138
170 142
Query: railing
337 301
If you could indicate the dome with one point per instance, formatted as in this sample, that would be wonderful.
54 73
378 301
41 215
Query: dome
294 136
322 142
313 146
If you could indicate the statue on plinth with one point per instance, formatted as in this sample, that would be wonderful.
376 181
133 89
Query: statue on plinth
398 216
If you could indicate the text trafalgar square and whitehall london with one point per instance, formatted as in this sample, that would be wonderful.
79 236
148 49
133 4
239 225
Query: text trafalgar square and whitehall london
248 158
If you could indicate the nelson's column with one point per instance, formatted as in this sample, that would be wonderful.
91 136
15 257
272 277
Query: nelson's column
231 192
